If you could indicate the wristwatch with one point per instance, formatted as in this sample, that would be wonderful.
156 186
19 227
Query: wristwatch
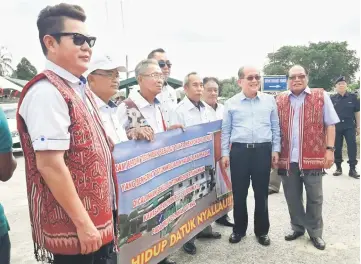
330 148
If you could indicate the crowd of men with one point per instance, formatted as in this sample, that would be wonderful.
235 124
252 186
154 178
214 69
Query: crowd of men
69 161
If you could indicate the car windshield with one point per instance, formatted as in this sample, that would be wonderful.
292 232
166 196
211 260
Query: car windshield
10 113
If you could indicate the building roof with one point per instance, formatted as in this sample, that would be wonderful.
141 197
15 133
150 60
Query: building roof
6 84
19 82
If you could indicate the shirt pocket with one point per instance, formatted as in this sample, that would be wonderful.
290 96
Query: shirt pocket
263 116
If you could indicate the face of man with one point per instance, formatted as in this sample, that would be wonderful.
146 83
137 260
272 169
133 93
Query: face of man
151 81
194 88
210 93
71 53
251 81
104 83
297 79
164 63
341 87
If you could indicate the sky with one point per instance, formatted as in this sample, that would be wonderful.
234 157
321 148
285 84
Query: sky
214 38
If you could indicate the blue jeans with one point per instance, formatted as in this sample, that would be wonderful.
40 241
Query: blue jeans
5 249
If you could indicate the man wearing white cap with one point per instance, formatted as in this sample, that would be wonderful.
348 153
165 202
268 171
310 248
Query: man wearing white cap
103 79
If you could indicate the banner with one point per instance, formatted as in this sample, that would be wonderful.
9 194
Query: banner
169 190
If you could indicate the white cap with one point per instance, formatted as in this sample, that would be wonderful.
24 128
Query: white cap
105 63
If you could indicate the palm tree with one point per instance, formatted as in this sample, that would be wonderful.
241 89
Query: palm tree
5 62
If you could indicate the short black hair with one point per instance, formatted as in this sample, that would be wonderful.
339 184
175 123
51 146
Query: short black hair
51 20
151 54
209 79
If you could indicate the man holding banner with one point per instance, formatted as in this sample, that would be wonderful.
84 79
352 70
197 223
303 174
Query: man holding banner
251 125
210 97
141 110
189 112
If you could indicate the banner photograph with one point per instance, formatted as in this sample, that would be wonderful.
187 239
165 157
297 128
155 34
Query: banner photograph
169 190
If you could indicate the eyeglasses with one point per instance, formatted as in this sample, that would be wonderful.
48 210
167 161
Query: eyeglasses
162 63
251 77
155 76
107 74
78 39
294 77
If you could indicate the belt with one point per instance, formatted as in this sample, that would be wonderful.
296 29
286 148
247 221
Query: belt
251 145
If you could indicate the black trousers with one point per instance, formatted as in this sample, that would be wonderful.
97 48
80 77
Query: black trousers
250 164
5 247
350 136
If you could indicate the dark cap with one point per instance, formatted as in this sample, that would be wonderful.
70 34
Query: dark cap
340 79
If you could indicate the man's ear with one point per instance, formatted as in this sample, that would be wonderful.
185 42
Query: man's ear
50 43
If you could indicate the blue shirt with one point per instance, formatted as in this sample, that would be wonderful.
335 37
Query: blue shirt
250 120
329 118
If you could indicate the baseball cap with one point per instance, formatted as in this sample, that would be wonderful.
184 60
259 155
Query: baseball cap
105 62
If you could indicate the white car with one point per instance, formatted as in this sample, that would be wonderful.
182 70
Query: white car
10 113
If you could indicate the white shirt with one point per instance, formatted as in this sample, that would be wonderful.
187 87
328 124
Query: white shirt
187 114
168 102
110 121
46 114
151 112
218 113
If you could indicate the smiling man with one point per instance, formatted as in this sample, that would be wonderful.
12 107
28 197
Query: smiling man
67 154
307 121
140 114
251 126
104 79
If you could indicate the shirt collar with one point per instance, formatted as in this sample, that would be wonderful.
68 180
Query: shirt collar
243 96
307 90
189 104
140 101
100 103
345 95
49 65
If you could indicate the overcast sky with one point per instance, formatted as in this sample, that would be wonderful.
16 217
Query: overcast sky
211 37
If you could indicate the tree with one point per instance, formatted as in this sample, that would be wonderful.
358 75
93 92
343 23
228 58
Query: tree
354 86
325 61
25 70
5 62
229 87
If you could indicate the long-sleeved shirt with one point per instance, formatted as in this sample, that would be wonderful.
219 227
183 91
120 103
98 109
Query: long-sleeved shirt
329 118
250 120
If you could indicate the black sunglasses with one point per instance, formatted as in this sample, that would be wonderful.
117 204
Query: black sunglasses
78 39
251 77
162 63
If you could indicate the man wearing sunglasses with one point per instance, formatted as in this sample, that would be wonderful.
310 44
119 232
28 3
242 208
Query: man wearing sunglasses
168 96
103 79
189 112
67 154
251 125
307 119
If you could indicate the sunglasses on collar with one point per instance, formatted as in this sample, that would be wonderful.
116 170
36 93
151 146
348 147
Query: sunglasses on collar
78 39
162 63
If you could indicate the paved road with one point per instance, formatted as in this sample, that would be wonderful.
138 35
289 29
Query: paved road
341 229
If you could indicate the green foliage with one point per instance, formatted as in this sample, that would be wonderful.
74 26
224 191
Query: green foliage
229 87
25 70
325 61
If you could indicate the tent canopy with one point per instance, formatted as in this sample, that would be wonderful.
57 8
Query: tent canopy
5 84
